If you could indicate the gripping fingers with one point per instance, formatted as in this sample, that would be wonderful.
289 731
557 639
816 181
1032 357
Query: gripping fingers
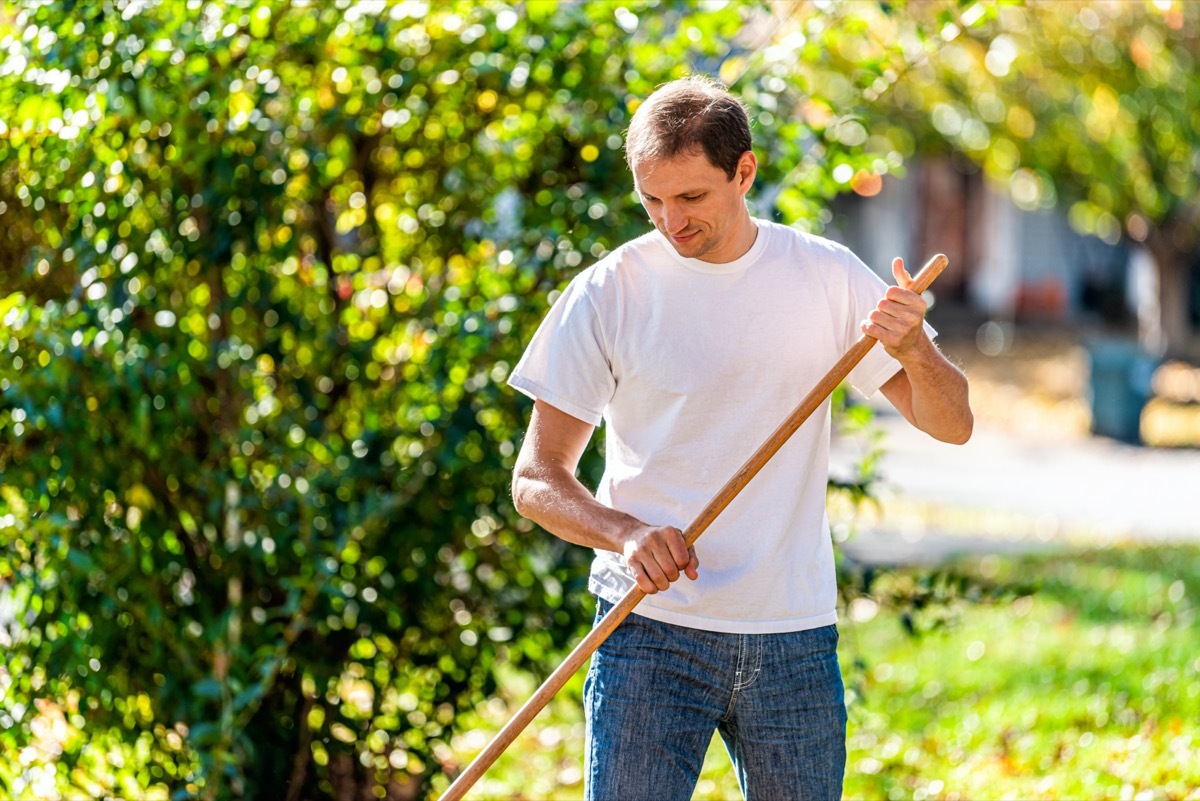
897 318
681 554
646 582
650 572
882 327
657 556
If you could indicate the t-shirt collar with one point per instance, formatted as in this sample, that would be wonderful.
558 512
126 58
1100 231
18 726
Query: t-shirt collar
724 268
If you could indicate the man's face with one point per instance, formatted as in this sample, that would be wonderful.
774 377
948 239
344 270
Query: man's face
697 208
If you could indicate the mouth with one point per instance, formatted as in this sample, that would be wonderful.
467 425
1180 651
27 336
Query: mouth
683 238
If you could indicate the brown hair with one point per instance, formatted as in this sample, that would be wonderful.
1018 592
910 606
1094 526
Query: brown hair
688 115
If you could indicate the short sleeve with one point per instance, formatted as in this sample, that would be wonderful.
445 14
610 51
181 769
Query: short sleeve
866 289
567 363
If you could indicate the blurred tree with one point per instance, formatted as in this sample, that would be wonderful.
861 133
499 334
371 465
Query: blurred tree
1090 106
266 265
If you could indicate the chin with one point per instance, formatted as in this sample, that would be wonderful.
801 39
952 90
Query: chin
692 250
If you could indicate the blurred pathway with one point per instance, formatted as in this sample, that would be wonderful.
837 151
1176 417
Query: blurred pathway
1063 489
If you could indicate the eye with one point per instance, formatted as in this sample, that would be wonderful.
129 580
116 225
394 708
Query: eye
693 198
649 199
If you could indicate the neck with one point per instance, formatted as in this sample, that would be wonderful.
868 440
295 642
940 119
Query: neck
745 233
749 233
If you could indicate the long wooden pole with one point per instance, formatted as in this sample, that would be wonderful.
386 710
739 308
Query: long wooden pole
633 597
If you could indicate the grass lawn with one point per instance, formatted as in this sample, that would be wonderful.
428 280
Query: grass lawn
1082 683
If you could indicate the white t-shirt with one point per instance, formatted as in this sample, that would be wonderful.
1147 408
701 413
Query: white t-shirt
691 366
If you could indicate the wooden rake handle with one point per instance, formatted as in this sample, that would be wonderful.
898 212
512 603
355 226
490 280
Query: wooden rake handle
633 597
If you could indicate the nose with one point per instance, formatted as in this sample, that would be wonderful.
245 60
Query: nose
674 219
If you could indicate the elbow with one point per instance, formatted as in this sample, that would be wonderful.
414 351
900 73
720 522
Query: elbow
959 432
962 433
523 490
956 431
520 494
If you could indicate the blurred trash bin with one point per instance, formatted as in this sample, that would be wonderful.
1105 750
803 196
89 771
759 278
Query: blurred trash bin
1120 375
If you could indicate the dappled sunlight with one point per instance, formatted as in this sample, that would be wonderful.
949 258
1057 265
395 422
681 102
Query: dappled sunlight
265 270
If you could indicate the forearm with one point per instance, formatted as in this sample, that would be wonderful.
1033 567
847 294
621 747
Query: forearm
546 491
552 497
938 394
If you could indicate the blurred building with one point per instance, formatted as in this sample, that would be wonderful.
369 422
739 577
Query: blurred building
1006 263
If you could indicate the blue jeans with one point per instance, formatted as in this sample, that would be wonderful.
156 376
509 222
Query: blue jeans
655 693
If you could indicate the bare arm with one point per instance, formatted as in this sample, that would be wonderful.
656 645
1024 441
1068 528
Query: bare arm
929 391
546 491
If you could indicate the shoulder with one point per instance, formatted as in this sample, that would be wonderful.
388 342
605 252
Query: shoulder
648 247
623 264
600 289
797 242
832 269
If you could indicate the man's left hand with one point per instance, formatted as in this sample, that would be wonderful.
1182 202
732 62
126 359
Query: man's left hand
897 321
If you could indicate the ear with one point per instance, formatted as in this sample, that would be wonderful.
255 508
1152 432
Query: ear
747 169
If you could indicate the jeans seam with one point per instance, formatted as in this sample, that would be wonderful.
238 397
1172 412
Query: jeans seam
743 667
737 679
756 668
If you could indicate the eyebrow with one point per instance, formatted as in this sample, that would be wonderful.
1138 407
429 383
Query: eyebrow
685 193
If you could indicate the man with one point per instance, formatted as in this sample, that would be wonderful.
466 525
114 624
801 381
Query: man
692 343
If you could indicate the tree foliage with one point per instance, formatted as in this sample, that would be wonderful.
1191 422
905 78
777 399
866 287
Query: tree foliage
1090 107
266 266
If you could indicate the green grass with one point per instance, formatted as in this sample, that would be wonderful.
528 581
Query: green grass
1086 688
1081 683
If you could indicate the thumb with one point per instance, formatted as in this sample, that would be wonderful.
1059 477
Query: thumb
903 279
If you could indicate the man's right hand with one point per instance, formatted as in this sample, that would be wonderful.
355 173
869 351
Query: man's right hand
656 555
